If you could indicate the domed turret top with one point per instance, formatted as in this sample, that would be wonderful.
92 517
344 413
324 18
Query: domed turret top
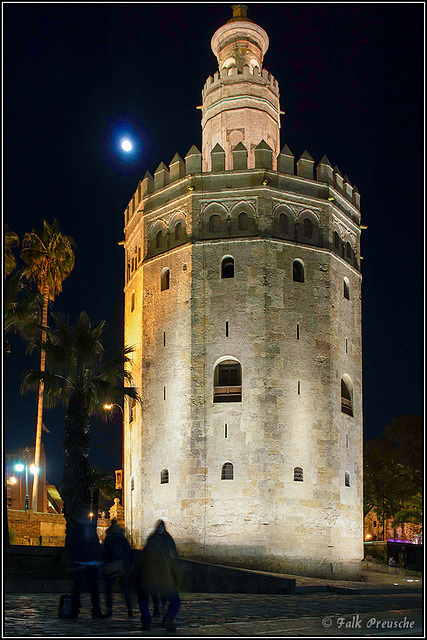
240 42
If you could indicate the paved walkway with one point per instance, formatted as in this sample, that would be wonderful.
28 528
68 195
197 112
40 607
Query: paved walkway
376 606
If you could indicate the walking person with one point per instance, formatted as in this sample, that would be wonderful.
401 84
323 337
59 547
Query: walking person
118 557
155 575
84 551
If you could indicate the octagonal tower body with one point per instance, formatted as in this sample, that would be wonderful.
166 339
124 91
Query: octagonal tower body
242 298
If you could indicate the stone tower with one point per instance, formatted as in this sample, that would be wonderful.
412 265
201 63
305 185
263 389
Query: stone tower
242 298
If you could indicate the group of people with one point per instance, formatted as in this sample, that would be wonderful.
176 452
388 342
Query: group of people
151 573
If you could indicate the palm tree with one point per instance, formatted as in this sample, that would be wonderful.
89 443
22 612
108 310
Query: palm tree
102 484
411 512
49 259
77 375
10 240
21 308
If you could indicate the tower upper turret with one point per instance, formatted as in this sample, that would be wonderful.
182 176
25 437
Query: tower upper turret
241 102
240 42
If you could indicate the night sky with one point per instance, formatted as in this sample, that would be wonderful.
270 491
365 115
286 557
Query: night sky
78 76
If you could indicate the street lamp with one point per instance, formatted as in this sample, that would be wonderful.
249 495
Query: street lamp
109 407
19 467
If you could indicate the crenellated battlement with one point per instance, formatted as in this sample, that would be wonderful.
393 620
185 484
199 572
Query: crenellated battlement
249 74
303 168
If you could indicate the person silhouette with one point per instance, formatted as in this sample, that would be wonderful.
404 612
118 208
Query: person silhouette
117 548
156 576
84 552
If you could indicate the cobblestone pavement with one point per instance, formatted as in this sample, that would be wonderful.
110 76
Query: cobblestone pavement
307 614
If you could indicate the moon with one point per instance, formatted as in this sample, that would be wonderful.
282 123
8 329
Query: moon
126 145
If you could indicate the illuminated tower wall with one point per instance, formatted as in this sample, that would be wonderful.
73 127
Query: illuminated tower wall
242 298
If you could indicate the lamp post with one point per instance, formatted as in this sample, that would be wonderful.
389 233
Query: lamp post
19 467
109 407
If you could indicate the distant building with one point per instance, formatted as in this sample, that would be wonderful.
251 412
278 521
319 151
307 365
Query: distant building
243 299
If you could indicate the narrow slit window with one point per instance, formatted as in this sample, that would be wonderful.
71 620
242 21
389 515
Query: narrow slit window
178 231
164 393
227 268
346 345
346 289
226 430
227 471
347 479
346 400
226 329
164 280
132 302
299 387
297 330
298 271
164 338
346 440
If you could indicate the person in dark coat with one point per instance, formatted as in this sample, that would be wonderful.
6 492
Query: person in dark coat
155 575
116 547
84 551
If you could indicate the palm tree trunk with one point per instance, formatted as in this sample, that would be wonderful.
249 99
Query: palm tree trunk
75 483
40 408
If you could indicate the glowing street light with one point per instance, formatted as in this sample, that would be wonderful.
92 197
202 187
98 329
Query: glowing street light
19 467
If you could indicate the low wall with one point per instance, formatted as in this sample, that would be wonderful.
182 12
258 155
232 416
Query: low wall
31 528
44 570
202 577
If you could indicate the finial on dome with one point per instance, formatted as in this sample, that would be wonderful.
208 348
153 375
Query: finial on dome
239 12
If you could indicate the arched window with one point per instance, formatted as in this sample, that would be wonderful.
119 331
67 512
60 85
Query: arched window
336 240
164 476
346 288
214 223
283 223
298 271
132 302
178 228
308 228
227 471
164 280
158 239
347 479
298 474
346 400
242 221
348 250
227 267
228 381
